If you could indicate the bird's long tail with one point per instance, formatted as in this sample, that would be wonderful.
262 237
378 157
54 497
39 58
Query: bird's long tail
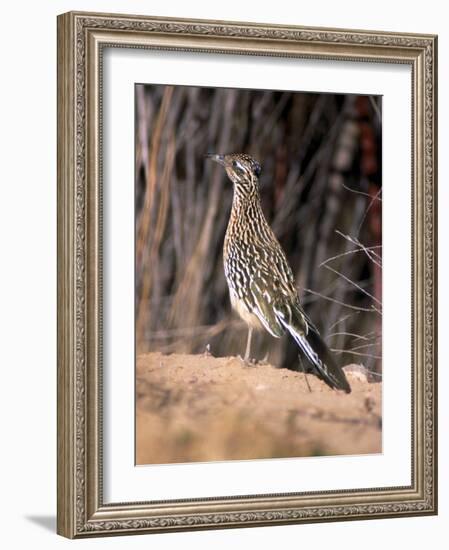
320 357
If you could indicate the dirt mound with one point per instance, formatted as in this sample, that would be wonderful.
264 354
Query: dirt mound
203 408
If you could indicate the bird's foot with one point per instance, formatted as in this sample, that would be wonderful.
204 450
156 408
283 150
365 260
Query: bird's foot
263 361
247 361
207 351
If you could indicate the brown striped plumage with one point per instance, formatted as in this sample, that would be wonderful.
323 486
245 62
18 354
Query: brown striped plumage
261 284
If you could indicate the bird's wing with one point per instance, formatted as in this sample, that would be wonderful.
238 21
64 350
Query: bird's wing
312 345
271 282
264 281
261 305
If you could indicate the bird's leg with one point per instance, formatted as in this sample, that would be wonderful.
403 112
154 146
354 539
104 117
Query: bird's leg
248 345
305 373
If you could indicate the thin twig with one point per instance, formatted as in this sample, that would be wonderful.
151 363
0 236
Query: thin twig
356 353
343 319
357 336
368 249
354 284
371 309
357 192
364 346
337 256
369 208
375 108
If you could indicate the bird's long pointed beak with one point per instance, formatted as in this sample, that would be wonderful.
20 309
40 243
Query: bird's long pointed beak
215 158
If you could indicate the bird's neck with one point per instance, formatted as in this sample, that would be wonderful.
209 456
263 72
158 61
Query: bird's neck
246 202
246 195
246 216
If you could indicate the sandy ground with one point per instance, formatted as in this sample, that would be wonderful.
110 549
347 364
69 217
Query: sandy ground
202 408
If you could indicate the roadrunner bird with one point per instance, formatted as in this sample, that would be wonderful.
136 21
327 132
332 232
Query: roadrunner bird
261 284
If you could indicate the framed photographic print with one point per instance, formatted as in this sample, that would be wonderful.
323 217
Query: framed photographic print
246 274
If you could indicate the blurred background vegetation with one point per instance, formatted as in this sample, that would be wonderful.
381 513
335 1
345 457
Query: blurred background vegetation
321 193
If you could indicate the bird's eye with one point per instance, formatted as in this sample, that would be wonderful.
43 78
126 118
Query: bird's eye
234 163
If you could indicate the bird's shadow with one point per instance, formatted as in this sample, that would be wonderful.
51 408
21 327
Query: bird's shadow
46 522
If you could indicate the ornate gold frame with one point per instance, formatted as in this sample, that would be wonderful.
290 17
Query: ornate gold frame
81 37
